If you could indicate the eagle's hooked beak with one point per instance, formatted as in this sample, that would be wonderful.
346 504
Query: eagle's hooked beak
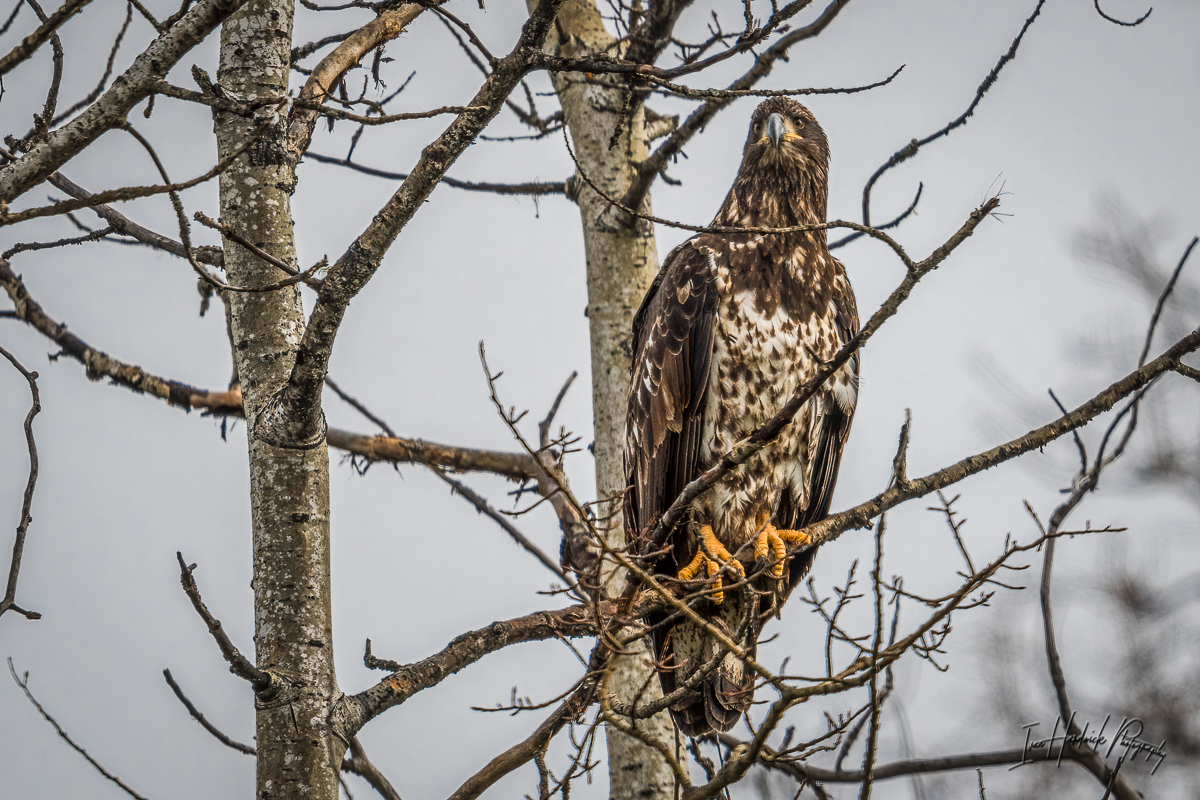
776 128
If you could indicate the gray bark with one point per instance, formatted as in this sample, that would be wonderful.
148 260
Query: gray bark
298 753
621 263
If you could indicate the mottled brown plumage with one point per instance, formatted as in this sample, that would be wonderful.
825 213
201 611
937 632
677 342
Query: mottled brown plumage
732 325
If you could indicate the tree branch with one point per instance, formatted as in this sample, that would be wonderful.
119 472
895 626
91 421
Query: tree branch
127 227
295 414
24 684
127 192
517 466
204 723
356 763
901 769
482 505
110 111
910 150
238 664
101 365
30 44
536 188
10 594
396 450
329 72
525 751
571 622
860 515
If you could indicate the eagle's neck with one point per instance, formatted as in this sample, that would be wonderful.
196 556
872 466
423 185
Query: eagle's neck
787 269
775 197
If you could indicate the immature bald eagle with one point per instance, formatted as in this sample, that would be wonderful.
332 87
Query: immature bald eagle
732 325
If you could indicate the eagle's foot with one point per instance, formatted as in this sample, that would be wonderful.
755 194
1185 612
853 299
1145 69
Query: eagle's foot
712 555
771 545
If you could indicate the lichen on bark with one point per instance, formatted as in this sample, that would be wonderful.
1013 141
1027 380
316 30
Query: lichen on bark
621 263
298 753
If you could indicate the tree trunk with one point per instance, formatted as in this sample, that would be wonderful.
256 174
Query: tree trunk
621 263
289 480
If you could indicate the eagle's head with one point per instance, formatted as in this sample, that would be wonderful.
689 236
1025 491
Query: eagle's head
784 135
784 176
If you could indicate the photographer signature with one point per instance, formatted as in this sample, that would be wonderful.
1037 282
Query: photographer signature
1126 736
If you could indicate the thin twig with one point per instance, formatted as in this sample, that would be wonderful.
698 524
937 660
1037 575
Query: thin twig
14 568
359 407
108 67
238 664
910 150
544 425
1164 296
24 684
383 119
484 507
229 232
1116 21
204 723
666 87
873 688
29 247
43 121
130 192
536 189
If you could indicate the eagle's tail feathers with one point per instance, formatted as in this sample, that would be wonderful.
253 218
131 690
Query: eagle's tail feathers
726 699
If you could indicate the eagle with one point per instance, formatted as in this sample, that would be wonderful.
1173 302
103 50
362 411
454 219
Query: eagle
732 325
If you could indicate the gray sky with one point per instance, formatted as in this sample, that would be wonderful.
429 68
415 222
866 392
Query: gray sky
1087 108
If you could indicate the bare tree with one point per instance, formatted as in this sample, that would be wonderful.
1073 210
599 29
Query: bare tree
608 66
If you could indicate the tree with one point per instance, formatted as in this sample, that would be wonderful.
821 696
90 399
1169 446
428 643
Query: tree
608 72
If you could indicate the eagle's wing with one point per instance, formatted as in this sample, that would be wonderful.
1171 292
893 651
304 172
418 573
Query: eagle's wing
672 350
832 427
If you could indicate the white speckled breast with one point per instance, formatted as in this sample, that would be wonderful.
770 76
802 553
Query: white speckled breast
760 359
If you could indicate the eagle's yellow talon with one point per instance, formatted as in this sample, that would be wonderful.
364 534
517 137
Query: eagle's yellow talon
714 571
710 544
795 537
770 546
689 572
712 555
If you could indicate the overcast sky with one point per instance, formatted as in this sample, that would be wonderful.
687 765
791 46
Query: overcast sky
1087 110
